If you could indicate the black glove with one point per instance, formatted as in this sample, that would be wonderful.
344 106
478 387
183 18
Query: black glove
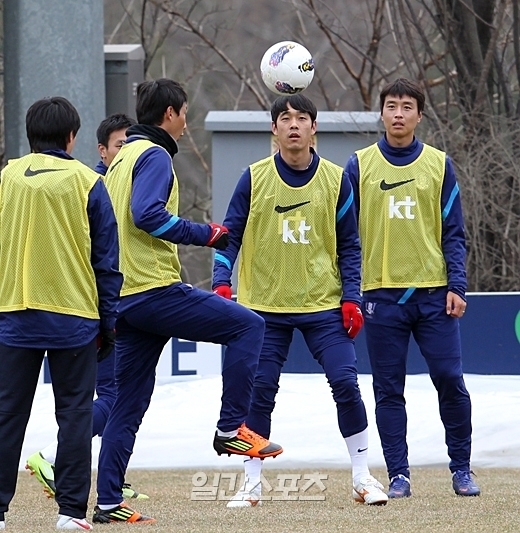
106 342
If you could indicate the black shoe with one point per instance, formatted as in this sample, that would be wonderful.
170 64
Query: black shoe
120 513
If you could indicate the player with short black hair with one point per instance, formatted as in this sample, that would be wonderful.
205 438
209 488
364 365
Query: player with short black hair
111 134
156 305
296 101
292 214
413 280
58 294
400 88
155 97
49 123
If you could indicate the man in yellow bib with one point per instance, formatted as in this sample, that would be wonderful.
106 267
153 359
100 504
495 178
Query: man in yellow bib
156 304
59 293
413 280
111 135
293 218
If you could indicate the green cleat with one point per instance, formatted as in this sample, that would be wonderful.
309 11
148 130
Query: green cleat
130 494
44 472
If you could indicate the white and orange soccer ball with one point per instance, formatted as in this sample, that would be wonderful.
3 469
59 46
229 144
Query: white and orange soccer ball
287 68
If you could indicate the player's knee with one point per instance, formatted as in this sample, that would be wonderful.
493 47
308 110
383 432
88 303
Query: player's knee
346 391
450 385
254 328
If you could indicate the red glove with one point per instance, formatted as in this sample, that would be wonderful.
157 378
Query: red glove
219 237
352 318
224 291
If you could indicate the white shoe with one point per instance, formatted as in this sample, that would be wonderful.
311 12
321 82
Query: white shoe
247 497
67 522
368 490
2 524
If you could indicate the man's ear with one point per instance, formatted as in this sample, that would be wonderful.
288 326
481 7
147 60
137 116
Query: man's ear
168 115
102 150
171 113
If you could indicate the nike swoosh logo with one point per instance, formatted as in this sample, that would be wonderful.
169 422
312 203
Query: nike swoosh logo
82 525
31 173
285 208
361 450
387 186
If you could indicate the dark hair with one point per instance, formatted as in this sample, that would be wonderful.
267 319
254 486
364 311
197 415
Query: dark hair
154 98
49 123
114 122
296 101
403 87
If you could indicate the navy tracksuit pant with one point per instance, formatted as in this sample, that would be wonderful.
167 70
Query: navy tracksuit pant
189 313
388 327
330 346
106 394
73 374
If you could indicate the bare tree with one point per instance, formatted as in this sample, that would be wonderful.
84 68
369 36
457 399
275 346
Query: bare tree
466 54
469 73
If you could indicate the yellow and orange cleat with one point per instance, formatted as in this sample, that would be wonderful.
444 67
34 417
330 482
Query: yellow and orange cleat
120 513
246 442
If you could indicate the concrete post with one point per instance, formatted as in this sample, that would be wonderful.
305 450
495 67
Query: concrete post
54 48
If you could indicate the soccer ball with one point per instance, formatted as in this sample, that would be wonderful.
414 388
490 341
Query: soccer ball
287 68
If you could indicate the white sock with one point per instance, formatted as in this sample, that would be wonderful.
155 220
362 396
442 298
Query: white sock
227 434
358 449
253 471
108 507
49 452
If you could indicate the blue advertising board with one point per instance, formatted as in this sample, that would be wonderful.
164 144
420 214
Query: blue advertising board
490 332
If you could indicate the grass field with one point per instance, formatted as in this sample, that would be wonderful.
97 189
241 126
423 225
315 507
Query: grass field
433 508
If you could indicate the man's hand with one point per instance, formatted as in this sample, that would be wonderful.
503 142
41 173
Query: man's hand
106 342
455 305
352 318
219 238
224 291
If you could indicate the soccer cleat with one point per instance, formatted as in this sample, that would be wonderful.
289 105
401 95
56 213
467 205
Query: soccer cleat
67 522
247 497
44 472
399 487
463 484
246 442
368 490
130 494
120 513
